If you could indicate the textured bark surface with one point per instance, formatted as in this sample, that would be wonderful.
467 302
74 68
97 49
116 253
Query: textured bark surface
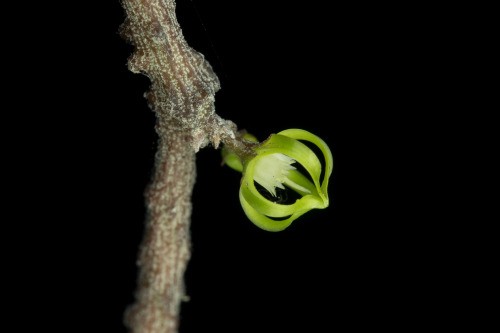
183 84
165 249
182 91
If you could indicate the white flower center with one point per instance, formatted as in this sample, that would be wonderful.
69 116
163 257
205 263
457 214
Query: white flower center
272 171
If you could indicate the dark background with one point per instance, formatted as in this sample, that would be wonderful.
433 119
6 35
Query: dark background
371 80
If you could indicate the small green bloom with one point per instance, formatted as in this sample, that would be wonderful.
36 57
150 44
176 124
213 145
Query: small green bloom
272 166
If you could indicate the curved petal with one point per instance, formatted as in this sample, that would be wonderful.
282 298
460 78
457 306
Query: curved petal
263 221
296 150
272 209
269 208
301 180
299 134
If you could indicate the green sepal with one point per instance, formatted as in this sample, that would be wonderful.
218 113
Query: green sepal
231 160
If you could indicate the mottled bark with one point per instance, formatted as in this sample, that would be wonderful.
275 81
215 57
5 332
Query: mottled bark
165 249
182 93
183 84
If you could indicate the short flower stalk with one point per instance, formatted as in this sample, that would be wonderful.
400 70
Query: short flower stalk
272 167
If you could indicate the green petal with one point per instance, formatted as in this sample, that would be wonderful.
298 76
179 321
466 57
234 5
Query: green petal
299 134
269 208
299 152
295 149
299 179
265 222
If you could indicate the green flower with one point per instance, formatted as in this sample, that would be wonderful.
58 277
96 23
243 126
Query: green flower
272 166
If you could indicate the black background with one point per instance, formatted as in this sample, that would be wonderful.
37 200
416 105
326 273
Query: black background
369 79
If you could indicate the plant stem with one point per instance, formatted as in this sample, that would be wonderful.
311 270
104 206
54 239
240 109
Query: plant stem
165 249
182 93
